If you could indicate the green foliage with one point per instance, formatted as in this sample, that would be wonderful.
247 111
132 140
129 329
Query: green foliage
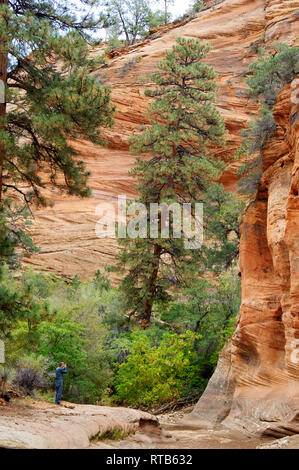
221 225
112 44
48 103
63 340
83 324
259 132
157 18
268 74
45 320
271 72
7 375
130 18
14 223
115 435
17 303
197 6
64 322
182 113
208 309
157 374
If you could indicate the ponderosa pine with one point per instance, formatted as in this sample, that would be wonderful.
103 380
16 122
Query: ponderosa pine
185 125
51 97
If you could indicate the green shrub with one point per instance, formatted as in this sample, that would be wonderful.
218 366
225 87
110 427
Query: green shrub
209 310
268 75
30 374
129 65
113 44
197 6
156 374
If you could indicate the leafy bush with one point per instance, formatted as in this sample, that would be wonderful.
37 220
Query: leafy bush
157 374
209 310
113 44
29 375
15 221
222 212
18 303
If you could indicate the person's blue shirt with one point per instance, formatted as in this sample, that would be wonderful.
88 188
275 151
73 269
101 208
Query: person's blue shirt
59 374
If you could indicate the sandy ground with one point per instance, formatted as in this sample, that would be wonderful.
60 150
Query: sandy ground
174 436
184 439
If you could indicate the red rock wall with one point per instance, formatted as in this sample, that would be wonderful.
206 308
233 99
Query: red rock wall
256 385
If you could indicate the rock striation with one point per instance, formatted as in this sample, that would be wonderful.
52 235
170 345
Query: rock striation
40 425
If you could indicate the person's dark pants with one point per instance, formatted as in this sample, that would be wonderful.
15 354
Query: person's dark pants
58 392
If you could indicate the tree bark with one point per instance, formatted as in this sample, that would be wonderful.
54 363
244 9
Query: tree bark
165 12
3 78
148 307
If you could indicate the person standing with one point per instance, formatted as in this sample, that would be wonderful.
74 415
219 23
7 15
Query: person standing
60 371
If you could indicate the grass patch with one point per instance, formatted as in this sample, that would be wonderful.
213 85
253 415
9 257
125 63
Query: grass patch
113 435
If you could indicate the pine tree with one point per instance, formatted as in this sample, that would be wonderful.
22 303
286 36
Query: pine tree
167 15
51 97
131 19
266 77
185 125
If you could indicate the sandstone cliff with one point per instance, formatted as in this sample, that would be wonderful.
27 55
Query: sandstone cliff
255 386
66 231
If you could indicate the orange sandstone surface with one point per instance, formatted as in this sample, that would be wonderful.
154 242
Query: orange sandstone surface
65 232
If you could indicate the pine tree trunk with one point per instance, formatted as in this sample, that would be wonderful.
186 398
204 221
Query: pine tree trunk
3 77
165 12
3 387
147 312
